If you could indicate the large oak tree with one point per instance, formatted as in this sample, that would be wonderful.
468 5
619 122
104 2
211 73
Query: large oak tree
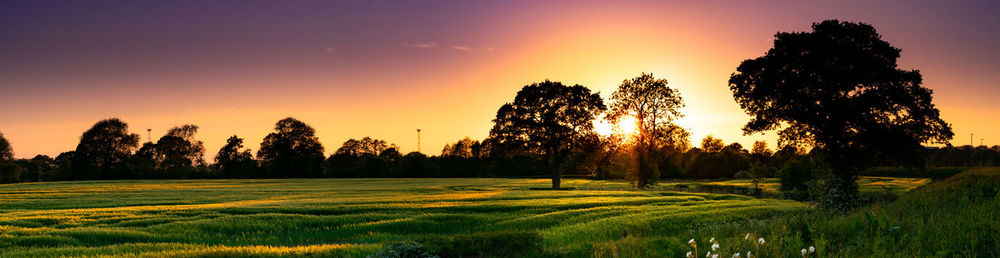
838 89
547 119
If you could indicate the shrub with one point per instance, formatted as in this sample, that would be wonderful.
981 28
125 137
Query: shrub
729 189
795 174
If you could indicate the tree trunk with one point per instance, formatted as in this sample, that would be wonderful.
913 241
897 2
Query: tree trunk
550 162
842 190
555 180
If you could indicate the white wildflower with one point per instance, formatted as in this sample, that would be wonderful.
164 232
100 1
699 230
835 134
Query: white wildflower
812 249
760 241
712 240
749 254
736 255
691 242
804 252
747 237
708 254
689 255
715 256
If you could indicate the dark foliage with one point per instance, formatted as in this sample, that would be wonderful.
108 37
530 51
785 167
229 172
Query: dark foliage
233 161
292 150
838 89
103 150
547 119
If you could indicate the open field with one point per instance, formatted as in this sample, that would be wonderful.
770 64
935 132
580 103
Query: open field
355 217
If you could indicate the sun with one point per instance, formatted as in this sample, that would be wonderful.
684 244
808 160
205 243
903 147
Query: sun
626 126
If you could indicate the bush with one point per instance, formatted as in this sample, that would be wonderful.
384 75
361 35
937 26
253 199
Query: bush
404 249
795 174
730 189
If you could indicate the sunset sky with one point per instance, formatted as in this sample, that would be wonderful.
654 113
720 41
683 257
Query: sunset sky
385 68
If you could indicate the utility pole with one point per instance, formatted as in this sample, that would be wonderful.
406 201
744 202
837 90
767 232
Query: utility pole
418 139
149 134
972 151
981 153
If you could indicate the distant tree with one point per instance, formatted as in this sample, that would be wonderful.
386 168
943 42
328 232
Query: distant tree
6 151
178 152
365 146
715 159
464 148
547 119
194 150
838 89
367 157
103 148
760 149
10 172
292 150
711 144
415 164
655 106
735 148
144 163
35 169
233 161
64 169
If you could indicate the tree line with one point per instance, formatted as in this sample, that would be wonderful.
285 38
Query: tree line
835 91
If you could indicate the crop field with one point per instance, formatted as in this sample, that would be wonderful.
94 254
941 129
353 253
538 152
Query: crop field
356 217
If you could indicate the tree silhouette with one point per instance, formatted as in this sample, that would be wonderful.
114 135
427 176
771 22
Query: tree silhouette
6 151
102 148
233 161
760 149
547 118
839 90
292 150
464 148
655 106
178 152
10 172
365 146
711 144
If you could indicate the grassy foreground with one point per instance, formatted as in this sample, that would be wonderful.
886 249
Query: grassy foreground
355 217
955 217
352 217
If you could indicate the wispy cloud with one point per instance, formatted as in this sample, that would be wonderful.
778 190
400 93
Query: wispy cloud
428 45
432 45
461 48
329 50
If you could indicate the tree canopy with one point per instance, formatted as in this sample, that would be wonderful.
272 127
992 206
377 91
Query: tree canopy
838 89
292 150
9 171
103 147
655 106
548 119
365 146
233 161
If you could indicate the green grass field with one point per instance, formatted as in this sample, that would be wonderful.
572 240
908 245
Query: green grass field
355 217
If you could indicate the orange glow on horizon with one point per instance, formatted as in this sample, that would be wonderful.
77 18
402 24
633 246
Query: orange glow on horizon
446 75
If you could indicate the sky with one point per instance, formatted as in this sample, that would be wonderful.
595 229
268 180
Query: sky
383 69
